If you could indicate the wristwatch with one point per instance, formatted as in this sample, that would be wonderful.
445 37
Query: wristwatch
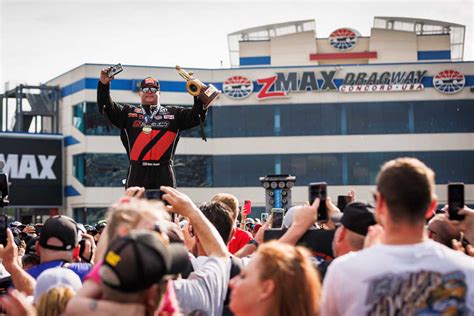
253 242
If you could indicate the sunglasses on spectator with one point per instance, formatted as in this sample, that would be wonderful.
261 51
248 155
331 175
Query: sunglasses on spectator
152 90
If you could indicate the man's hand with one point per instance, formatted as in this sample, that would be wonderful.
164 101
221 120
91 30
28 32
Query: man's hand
261 232
375 236
352 194
9 254
104 77
306 215
180 203
332 210
467 224
135 192
16 303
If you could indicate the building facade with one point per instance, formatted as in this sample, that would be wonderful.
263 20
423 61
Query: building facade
321 109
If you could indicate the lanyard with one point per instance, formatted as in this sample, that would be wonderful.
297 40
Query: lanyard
147 117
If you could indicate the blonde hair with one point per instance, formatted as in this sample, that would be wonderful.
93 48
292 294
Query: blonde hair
230 200
132 211
297 286
53 303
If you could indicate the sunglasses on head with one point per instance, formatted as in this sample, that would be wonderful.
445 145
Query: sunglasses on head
147 90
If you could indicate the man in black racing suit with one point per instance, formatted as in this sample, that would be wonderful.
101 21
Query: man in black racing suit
149 131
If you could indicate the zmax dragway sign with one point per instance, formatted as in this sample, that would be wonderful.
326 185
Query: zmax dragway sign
281 84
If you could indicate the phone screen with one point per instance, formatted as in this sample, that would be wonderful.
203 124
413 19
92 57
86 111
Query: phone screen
319 190
277 217
342 201
455 200
155 195
263 217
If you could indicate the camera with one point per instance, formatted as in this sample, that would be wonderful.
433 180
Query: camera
114 70
319 190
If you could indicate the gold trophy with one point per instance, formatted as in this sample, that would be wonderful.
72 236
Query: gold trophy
195 87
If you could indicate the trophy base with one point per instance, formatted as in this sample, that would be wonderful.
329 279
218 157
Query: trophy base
209 96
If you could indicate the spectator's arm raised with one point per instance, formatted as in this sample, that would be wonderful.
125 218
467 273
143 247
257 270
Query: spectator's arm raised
209 237
20 278
303 218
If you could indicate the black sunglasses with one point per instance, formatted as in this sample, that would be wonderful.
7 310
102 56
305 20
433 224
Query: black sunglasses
147 90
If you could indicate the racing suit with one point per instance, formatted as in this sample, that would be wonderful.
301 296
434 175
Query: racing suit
151 151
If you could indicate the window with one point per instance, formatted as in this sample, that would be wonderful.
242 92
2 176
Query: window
447 116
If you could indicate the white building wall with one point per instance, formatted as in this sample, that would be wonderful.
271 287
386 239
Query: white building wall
393 46
293 49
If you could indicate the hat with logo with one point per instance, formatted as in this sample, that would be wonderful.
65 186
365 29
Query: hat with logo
357 217
137 261
63 228
149 82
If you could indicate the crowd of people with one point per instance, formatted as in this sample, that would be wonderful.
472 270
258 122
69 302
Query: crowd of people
399 255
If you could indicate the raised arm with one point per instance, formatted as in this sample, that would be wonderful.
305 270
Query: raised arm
112 110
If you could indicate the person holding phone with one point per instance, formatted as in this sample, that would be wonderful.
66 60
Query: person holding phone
149 131
420 275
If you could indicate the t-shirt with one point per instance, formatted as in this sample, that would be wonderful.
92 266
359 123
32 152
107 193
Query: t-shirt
420 279
205 289
240 239
80 268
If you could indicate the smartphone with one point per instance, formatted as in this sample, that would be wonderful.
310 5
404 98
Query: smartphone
342 201
455 200
277 217
3 229
247 208
319 190
154 194
114 70
263 217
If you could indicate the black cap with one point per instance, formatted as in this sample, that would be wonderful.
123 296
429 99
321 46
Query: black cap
137 261
357 217
62 227
149 82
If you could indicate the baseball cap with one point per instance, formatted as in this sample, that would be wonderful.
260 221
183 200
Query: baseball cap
135 262
62 227
149 82
53 278
357 217
15 224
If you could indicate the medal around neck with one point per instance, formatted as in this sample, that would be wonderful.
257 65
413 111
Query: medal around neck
147 129
207 94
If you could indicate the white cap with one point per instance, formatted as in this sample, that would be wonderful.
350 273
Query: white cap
53 278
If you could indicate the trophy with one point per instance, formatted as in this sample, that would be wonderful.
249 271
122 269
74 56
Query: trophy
207 94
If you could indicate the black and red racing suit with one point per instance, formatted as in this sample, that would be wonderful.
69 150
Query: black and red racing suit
151 153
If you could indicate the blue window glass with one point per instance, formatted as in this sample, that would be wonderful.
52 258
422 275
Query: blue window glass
89 215
105 170
310 119
447 116
377 118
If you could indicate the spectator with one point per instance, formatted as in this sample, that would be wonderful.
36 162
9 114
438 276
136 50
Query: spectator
57 247
440 229
135 267
280 280
240 237
407 274
54 288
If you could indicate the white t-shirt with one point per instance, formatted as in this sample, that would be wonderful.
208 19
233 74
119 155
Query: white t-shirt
205 288
421 279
